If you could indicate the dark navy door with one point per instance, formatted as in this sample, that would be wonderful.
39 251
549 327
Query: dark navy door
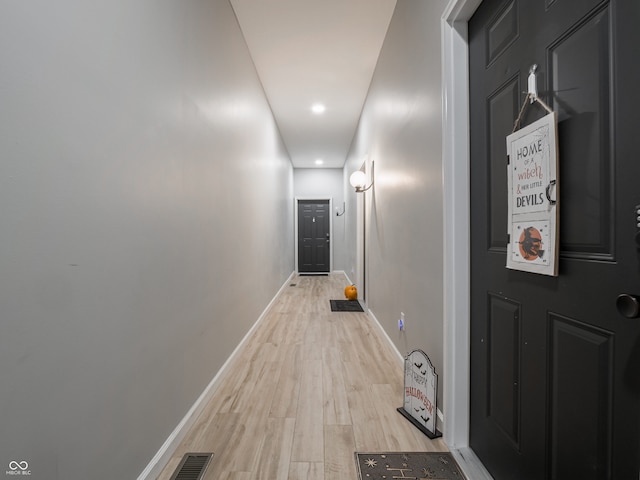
555 389
313 236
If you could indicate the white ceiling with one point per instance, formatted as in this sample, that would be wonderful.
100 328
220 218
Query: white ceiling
307 52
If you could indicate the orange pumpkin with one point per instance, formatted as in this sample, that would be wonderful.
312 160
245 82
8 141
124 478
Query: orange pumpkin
351 292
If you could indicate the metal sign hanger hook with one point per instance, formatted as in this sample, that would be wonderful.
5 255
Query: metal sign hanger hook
532 83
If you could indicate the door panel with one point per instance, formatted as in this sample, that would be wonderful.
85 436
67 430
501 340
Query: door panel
313 236
501 108
502 30
504 366
554 375
581 373
580 68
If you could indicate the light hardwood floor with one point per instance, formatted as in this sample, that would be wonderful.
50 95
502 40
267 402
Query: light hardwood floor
310 388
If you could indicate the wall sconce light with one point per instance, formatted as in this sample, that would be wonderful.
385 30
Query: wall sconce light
358 180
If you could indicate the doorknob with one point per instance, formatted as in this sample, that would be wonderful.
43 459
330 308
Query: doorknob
628 305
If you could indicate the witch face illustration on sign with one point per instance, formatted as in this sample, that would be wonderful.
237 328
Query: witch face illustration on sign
531 244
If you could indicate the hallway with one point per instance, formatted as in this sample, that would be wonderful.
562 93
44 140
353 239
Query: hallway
309 388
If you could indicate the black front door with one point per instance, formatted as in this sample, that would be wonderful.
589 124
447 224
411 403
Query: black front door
555 388
313 236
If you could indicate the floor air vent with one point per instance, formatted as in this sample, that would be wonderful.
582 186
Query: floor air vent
192 466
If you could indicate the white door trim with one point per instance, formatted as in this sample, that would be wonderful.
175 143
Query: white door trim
455 158
455 80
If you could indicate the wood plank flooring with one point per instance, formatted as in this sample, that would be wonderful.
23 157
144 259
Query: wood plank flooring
310 388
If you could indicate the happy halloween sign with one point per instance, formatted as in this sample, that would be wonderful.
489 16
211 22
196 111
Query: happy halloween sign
420 392
532 172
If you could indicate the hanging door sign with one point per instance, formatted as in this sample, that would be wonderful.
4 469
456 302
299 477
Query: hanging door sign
420 389
532 172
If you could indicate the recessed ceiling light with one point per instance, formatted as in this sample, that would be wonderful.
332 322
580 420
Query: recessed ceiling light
318 108
319 161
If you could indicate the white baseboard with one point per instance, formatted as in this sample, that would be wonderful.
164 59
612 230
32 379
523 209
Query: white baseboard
386 336
401 358
470 464
342 272
468 461
466 458
162 457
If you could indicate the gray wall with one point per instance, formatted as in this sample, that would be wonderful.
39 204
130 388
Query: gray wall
146 222
325 183
400 130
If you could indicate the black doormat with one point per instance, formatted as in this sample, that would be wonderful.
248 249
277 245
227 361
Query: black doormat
346 306
417 465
